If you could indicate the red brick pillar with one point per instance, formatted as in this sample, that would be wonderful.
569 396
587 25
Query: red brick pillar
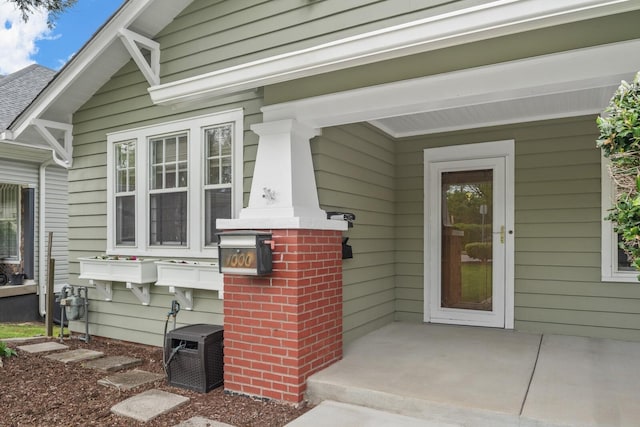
280 329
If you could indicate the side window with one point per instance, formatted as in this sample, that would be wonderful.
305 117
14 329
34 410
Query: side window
168 183
9 221
218 178
615 264
125 193
168 209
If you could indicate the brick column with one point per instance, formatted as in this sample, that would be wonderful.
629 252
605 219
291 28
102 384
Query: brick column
280 329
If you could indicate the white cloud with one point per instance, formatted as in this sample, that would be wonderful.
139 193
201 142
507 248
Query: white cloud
17 38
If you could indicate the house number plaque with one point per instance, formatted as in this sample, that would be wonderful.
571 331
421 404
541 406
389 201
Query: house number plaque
242 258
245 252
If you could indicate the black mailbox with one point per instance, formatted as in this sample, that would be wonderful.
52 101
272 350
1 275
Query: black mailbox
245 252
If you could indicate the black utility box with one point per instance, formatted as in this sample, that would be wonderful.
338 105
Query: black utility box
198 363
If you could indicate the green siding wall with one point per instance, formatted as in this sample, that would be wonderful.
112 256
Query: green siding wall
123 103
500 49
358 169
124 317
355 173
211 35
557 231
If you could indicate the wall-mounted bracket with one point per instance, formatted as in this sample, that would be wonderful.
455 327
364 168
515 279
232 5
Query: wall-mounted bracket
141 291
135 44
104 288
184 296
63 150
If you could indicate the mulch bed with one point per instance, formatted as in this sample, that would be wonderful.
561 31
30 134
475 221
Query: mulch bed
36 391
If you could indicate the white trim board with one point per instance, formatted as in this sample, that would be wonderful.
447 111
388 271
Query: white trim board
493 19
584 79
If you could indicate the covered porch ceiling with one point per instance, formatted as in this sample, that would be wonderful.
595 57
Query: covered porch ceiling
573 83
484 114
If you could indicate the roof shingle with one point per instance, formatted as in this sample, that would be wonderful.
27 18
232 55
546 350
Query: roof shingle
18 89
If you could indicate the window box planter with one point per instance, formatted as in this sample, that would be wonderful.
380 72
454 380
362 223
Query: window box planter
183 276
137 273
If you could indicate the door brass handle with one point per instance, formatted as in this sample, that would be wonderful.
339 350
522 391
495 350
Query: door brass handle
501 232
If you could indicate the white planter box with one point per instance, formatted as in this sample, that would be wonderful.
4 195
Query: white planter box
190 274
129 271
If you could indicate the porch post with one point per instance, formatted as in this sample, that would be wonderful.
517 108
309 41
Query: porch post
281 328
284 184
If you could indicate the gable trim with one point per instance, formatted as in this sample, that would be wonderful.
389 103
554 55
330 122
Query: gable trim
467 25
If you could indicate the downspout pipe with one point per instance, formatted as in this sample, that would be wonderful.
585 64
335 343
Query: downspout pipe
42 262
42 241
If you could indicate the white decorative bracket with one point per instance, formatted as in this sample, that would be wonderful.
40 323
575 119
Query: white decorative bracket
104 288
135 43
184 296
141 291
65 150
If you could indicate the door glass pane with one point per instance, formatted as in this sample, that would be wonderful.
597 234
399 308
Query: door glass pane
467 215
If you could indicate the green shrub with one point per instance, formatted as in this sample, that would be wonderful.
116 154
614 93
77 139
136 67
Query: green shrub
620 143
473 232
6 351
479 250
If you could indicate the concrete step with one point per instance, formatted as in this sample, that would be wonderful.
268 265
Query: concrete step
337 414
113 363
42 347
77 355
148 405
427 411
130 379
202 422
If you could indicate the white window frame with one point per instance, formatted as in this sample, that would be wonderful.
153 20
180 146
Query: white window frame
609 238
18 258
194 126
127 193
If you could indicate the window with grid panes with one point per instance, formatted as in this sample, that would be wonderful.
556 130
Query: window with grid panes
218 177
125 193
168 209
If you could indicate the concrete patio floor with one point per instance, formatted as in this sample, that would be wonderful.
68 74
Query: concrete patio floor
468 376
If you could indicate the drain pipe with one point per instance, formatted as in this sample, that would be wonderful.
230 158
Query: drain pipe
42 250
42 262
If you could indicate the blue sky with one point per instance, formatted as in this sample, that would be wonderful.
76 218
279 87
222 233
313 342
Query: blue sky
33 42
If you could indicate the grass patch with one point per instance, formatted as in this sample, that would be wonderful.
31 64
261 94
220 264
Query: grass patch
476 281
25 330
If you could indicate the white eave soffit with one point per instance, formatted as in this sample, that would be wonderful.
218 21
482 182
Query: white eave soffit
475 23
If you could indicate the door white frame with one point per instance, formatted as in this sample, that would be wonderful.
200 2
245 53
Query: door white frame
504 150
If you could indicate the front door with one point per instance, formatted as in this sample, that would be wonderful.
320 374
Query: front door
468 234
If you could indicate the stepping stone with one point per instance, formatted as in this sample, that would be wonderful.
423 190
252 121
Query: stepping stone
148 405
42 347
130 379
112 363
75 355
202 422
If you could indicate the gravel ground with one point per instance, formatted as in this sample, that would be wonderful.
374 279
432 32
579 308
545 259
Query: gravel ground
36 391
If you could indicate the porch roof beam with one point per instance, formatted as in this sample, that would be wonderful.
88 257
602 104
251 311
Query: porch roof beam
589 74
492 19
